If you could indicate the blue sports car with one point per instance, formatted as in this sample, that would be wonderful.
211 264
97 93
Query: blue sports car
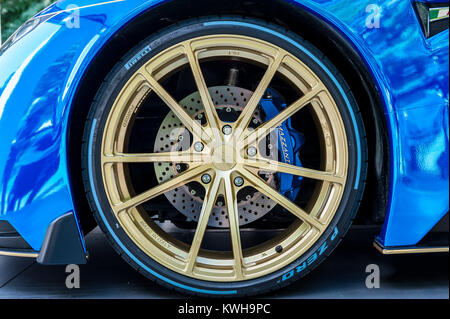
225 147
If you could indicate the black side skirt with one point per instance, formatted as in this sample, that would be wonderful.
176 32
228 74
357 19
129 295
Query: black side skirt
62 244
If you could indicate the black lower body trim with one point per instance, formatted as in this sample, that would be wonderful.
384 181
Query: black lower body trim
62 244
10 239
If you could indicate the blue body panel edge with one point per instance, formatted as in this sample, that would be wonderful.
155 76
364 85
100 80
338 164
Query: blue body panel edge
39 76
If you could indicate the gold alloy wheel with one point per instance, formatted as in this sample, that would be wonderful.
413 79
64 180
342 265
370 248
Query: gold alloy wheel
224 158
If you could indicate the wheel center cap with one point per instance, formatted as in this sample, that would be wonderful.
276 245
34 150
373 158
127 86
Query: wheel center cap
224 157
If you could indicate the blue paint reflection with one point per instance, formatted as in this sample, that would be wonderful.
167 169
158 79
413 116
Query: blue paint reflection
39 75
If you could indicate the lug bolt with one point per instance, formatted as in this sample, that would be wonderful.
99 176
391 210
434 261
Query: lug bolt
228 109
199 146
252 151
238 181
180 138
227 130
178 167
193 192
255 121
206 178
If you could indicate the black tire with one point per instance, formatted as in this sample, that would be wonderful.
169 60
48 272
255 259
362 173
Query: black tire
284 39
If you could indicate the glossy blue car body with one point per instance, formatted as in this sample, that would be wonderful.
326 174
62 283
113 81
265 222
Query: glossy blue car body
41 72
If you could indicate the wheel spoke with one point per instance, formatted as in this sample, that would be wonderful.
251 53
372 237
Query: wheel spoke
170 157
233 217
175 182
192 125
208 104
208 205
275 166
247 114
260 185
270 125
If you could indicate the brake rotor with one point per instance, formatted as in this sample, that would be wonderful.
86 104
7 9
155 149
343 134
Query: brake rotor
172 136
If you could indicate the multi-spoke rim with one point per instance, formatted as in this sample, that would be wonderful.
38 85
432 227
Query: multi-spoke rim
238 264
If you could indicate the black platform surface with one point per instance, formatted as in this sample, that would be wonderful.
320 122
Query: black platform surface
341 276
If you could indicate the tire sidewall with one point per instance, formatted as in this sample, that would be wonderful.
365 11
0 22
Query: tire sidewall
315 60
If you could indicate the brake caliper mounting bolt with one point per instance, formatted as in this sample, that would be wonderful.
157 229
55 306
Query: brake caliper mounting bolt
238 181
199 146
252 151
206 178
227 130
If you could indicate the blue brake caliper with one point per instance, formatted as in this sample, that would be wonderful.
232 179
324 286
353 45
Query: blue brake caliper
289 143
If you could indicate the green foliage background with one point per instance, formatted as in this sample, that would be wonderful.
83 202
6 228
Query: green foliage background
15 12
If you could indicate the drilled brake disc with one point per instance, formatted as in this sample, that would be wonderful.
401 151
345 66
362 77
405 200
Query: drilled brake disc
173 136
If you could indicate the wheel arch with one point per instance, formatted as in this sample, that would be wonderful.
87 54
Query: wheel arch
298 18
